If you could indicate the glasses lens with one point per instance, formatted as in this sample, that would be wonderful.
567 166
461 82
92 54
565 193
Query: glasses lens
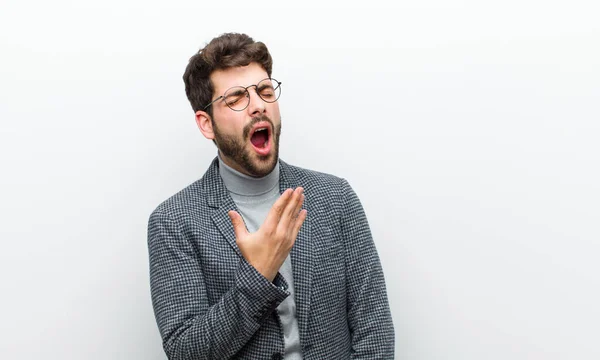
236 98
269 90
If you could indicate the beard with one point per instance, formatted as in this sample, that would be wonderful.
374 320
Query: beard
236 148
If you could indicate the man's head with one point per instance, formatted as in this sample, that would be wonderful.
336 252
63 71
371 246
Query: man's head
214 81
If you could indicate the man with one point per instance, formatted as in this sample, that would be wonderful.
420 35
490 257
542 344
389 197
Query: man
260 259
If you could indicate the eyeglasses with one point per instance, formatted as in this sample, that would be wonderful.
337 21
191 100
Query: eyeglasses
237 98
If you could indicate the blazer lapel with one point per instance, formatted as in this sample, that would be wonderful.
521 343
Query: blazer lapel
218 198
301 254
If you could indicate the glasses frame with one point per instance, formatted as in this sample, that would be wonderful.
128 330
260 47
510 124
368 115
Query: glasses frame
222 97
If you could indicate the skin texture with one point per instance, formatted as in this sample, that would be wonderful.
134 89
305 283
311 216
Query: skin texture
231 129
267 248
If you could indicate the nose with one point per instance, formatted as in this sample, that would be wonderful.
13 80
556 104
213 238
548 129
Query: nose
257 106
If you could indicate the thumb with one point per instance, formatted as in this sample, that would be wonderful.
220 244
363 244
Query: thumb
239 227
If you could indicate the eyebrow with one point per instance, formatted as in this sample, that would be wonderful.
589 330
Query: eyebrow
236 93
265 87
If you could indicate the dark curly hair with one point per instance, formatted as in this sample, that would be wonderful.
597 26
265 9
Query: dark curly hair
223 52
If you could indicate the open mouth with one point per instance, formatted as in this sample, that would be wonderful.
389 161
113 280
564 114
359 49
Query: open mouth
261 139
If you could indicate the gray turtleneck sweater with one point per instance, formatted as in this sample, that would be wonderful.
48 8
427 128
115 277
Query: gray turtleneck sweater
254 198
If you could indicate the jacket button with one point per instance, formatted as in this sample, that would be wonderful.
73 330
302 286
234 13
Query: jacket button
276 356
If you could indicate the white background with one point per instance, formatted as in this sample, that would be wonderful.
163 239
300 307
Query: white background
469 129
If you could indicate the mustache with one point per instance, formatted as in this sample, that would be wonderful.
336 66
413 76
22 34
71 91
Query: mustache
256 120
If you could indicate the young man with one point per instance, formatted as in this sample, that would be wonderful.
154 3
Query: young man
260 259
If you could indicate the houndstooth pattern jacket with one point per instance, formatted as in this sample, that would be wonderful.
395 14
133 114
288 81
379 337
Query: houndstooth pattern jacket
210 303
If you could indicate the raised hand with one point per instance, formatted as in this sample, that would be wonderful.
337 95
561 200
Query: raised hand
267 248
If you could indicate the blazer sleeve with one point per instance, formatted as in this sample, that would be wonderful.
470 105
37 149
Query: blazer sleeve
369 316
189 327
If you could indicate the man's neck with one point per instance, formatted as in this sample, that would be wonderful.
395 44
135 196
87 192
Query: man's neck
243 184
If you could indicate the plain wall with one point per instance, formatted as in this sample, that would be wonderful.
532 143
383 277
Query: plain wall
469 129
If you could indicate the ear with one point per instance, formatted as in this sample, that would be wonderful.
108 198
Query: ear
204 123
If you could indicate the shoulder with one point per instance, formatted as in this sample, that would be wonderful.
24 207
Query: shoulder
319 180
329 190
182 204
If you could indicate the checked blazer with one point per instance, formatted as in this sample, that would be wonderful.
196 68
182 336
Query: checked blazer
210 303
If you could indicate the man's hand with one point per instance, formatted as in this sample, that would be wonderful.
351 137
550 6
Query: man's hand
267 248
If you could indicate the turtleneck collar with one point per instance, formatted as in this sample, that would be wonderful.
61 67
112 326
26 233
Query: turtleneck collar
242 184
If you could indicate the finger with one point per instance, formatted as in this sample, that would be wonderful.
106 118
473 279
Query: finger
290 223
299 206
289 214
239 227
298 223
277 209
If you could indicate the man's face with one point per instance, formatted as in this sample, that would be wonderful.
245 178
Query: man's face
242 147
